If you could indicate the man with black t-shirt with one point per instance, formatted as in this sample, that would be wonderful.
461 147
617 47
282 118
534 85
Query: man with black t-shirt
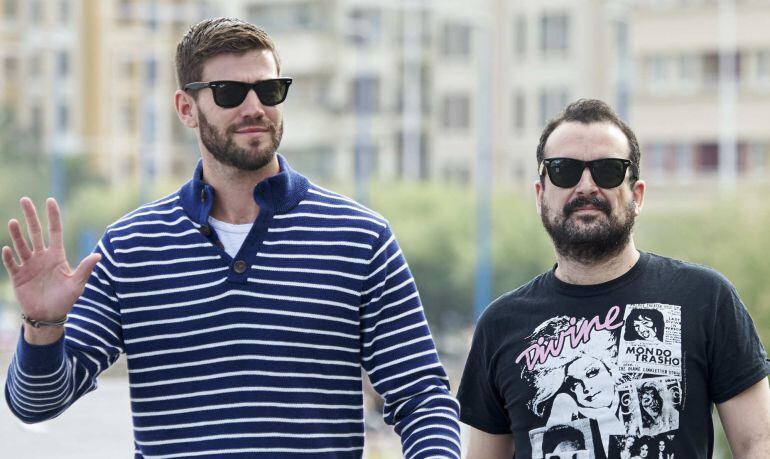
628 348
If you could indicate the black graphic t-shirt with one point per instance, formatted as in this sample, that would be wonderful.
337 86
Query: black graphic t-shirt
626 369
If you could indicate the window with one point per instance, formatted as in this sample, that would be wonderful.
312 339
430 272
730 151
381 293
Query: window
365 26
129 121
318 161
711 69
762 65
62 64
322 88
151 72
181 134
125 11
552 103
707 158
65 11
11 68
289 16
415 166
366 94
686 71
456 172
152 19
656 159
554 33
127 68
62 117
421 88
455 111
313 91
149 125
519 111
11 9
36 120
456 40
35 11
520 36
365 159
659 73
685 161
35 66
758 159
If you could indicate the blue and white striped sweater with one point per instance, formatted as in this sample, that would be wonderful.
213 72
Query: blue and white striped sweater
257 356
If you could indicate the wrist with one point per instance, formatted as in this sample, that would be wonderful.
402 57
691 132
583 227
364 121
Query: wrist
42 336
34 323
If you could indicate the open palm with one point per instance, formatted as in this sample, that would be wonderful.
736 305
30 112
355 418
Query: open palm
45 285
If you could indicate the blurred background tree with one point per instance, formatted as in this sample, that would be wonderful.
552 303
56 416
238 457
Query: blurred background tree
24 172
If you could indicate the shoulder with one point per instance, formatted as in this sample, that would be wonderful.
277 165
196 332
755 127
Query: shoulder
155 216
510 302
330 201
695 274
323 206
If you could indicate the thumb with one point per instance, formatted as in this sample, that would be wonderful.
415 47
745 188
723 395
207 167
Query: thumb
85 267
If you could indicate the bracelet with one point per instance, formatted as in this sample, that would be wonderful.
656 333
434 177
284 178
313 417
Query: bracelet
41 323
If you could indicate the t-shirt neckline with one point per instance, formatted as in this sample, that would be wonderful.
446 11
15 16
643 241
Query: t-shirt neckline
597 289
232 228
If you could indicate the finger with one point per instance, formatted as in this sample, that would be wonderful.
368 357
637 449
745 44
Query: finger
55 238
10 264
85 267
19 243
33 224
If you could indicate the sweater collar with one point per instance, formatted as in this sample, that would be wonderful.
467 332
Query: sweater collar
277 194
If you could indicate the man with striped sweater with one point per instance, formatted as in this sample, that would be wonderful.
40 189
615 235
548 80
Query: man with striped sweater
247 302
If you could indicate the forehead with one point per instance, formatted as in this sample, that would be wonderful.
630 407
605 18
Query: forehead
251 66
587 141
581 365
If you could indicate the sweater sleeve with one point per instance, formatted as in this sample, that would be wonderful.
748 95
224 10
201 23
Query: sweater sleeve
399 355
44 380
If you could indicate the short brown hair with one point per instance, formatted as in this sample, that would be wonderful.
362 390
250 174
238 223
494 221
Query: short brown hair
211 37
588 111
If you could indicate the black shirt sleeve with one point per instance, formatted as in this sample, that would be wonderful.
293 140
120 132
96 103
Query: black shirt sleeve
737 359
481 405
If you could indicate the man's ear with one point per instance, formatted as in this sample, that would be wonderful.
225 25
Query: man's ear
637 194
186 109
538 195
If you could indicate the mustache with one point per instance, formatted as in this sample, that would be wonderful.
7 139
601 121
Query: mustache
570 207
251 123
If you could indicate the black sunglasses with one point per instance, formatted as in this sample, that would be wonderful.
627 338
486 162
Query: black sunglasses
229 94
566 172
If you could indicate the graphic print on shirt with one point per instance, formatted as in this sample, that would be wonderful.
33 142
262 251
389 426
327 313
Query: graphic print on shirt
606 387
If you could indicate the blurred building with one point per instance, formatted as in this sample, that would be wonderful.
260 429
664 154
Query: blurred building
549 54
382 88
701 89
96 77
393 88
41 72
133 129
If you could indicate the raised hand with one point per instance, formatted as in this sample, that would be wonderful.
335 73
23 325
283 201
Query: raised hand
45 285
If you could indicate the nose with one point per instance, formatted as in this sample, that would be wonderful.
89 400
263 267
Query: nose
252 107
586 185
581 387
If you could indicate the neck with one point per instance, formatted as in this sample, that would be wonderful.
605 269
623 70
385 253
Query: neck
591 273
234 197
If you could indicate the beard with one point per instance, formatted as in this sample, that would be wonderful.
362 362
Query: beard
597 239
224 149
